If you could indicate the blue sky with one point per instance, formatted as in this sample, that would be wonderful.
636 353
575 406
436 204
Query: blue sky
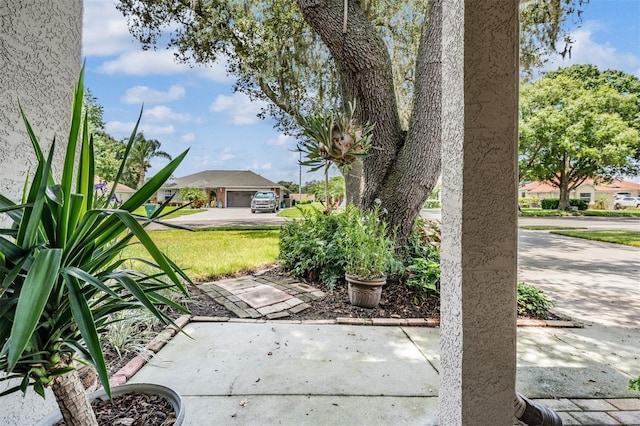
196 108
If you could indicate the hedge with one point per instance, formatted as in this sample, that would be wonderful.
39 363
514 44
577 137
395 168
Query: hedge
553 203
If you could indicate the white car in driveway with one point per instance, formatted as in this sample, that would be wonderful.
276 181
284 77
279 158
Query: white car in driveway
621 203
264 201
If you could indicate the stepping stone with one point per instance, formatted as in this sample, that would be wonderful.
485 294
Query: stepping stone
264 295
302 287
236 284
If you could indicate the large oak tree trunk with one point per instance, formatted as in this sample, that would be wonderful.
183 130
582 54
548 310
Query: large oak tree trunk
72 400
403 169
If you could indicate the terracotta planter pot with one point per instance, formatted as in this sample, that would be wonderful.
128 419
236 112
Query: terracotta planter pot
365 293
148 388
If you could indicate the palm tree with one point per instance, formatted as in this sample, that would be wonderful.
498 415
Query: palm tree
142 152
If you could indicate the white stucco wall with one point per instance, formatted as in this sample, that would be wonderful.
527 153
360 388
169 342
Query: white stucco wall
40 45
479 218
40 48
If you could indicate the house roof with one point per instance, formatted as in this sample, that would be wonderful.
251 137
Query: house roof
614 185
223 178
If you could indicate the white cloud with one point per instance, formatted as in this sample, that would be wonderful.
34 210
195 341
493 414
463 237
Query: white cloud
144 62
226 155
257 166
104 30
147 95
281 140
161 62
162 113
189 137
120 128
586 51
209 160
239 107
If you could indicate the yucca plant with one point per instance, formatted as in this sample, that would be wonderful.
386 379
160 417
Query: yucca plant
63 273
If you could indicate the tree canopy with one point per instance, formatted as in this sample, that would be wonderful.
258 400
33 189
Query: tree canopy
307 58
109 151
572 129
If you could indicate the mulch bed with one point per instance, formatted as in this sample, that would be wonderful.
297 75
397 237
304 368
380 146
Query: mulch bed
397 301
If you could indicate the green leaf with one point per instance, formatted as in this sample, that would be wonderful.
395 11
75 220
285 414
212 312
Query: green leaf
84 319
37 286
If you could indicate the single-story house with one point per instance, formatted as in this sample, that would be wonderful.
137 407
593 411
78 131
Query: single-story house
224 188
122 193
589 190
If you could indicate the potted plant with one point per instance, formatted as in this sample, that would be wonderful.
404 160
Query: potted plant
368 253
63 270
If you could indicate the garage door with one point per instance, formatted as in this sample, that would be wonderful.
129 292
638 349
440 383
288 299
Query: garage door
239 198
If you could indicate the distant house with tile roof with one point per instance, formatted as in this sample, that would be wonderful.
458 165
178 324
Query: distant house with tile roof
589 190
224 188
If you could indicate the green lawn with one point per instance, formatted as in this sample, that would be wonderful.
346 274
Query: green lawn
297 211
213 253
628 238
631 212
549 228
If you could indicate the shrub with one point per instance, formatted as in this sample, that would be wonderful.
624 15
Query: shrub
308 248
533 302
554 203
550 203
579 203
432 204
422 257
601 203
196 196
528 202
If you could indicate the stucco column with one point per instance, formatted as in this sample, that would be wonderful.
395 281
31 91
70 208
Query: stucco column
479 249
40 45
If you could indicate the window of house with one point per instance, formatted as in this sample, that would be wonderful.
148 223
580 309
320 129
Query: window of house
585 196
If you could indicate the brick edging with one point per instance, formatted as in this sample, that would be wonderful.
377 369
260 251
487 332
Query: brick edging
132 367
389 322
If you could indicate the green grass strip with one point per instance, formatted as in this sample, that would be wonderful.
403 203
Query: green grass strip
549 228
627 238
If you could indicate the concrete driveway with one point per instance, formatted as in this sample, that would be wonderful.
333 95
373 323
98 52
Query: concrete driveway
227 217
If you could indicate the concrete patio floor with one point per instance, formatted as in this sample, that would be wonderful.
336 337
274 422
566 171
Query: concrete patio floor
286 373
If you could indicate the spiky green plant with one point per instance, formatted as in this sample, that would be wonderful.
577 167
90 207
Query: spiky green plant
334 139
63 274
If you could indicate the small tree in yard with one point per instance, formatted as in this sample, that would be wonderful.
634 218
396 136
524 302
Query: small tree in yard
569 133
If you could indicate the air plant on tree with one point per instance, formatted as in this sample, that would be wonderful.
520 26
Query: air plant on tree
334 139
